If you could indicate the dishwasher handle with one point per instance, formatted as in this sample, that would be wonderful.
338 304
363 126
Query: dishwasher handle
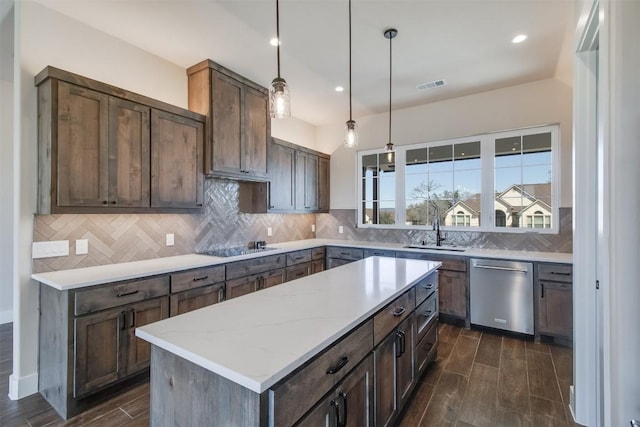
495 267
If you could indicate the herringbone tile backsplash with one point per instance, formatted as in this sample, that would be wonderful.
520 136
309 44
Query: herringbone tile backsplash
131 237
119 238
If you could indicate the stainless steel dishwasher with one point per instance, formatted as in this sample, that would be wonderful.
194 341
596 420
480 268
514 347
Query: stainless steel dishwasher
501 294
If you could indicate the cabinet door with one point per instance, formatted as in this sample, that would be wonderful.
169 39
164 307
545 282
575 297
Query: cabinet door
337 262
453 292
322 415
298 271
99 358
317 266
306 181
323 184
242 286
555 308
193 299
140 314
129 160
273 278
385 366
281 167
83 157
226 124
256 128
176 156
405 358
355 394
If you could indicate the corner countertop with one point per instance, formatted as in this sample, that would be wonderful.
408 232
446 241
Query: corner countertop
258 339
89 276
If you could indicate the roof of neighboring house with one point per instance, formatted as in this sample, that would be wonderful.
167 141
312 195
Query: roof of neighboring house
536 192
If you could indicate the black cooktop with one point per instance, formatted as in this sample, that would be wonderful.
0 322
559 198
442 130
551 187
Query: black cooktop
240 250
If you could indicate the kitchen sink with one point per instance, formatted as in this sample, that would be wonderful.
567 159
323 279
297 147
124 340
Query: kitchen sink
436 248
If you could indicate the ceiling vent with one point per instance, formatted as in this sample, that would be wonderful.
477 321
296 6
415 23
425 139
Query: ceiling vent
431 85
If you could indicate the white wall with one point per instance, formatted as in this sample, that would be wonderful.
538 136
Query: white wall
6 160
295 131
542 102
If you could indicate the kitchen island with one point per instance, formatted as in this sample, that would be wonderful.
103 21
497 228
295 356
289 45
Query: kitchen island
283 355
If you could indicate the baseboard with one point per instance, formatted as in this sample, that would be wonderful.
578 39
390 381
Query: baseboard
6 316
22 387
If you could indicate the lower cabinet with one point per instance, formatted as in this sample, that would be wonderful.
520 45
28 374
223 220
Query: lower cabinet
193 299
350 404
453 293
555 300
255 282
337 256
395 374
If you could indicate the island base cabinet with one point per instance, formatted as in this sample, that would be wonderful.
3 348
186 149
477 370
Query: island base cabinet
349 405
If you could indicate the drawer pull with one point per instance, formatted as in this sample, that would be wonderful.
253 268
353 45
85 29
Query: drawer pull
344 253
334 369
132 320
541 290
125 294
428 313
300 273
197 279
399 311
559 273
298 258
429 286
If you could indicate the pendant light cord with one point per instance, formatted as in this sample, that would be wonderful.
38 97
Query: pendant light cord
278 34
390 48
350 106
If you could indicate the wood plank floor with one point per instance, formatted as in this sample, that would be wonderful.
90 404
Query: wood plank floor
479 379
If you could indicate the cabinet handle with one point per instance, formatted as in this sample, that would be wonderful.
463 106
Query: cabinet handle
124 294
343 395
271 206
399 311
113 202
300 273
559 273
541 290
197 279
398 344
429 286
344 253
298 258
428 313
220 294
132 320
334 369
104 202
123 320
339 420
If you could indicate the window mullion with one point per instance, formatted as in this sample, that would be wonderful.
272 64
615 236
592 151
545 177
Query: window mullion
400 201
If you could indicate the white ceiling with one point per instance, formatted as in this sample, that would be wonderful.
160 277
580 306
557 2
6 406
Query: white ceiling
465 42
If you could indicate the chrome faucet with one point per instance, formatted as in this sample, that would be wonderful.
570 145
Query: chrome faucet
436 225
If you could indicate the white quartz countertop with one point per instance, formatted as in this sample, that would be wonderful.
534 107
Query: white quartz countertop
89 276
258 339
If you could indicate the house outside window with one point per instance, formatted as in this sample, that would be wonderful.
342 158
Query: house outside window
503 178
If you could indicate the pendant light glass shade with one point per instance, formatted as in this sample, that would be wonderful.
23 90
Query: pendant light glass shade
351 127
279 100
351 134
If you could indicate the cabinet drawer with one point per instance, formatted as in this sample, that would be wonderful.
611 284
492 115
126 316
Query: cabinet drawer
298 257
197 278
345 253
193 299
298 271
394 313
555 272
292 398
255 266
379 252
426 315
317 253
426 349
120 294
426 287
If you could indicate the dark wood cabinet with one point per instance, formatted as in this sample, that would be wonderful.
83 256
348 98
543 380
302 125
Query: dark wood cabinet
554 290
281 186
317 266
395 373
103 149
337 256
299 179
306 181
193 299
176 161
239 125
107 349
255 282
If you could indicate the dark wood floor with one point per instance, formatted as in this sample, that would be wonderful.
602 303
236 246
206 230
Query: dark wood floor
479 379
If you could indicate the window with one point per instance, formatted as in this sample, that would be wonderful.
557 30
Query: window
495 182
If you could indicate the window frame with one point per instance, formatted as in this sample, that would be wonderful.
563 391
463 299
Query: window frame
487 186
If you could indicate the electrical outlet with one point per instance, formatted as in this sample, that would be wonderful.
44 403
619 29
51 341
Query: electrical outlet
50 249
170 239
269 231
313 228
340 229
82 246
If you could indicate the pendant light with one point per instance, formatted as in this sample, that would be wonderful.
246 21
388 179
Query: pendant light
390 34
351 127
279 101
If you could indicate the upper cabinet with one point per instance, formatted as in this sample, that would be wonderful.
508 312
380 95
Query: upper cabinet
299 179
238 121
103 149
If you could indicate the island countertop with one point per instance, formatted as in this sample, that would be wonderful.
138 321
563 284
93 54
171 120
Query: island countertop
258 339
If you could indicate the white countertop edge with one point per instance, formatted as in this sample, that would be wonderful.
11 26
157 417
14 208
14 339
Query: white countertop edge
90 276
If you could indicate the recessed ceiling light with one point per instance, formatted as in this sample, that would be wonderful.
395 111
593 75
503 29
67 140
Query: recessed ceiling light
519 38
274 41
339 88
